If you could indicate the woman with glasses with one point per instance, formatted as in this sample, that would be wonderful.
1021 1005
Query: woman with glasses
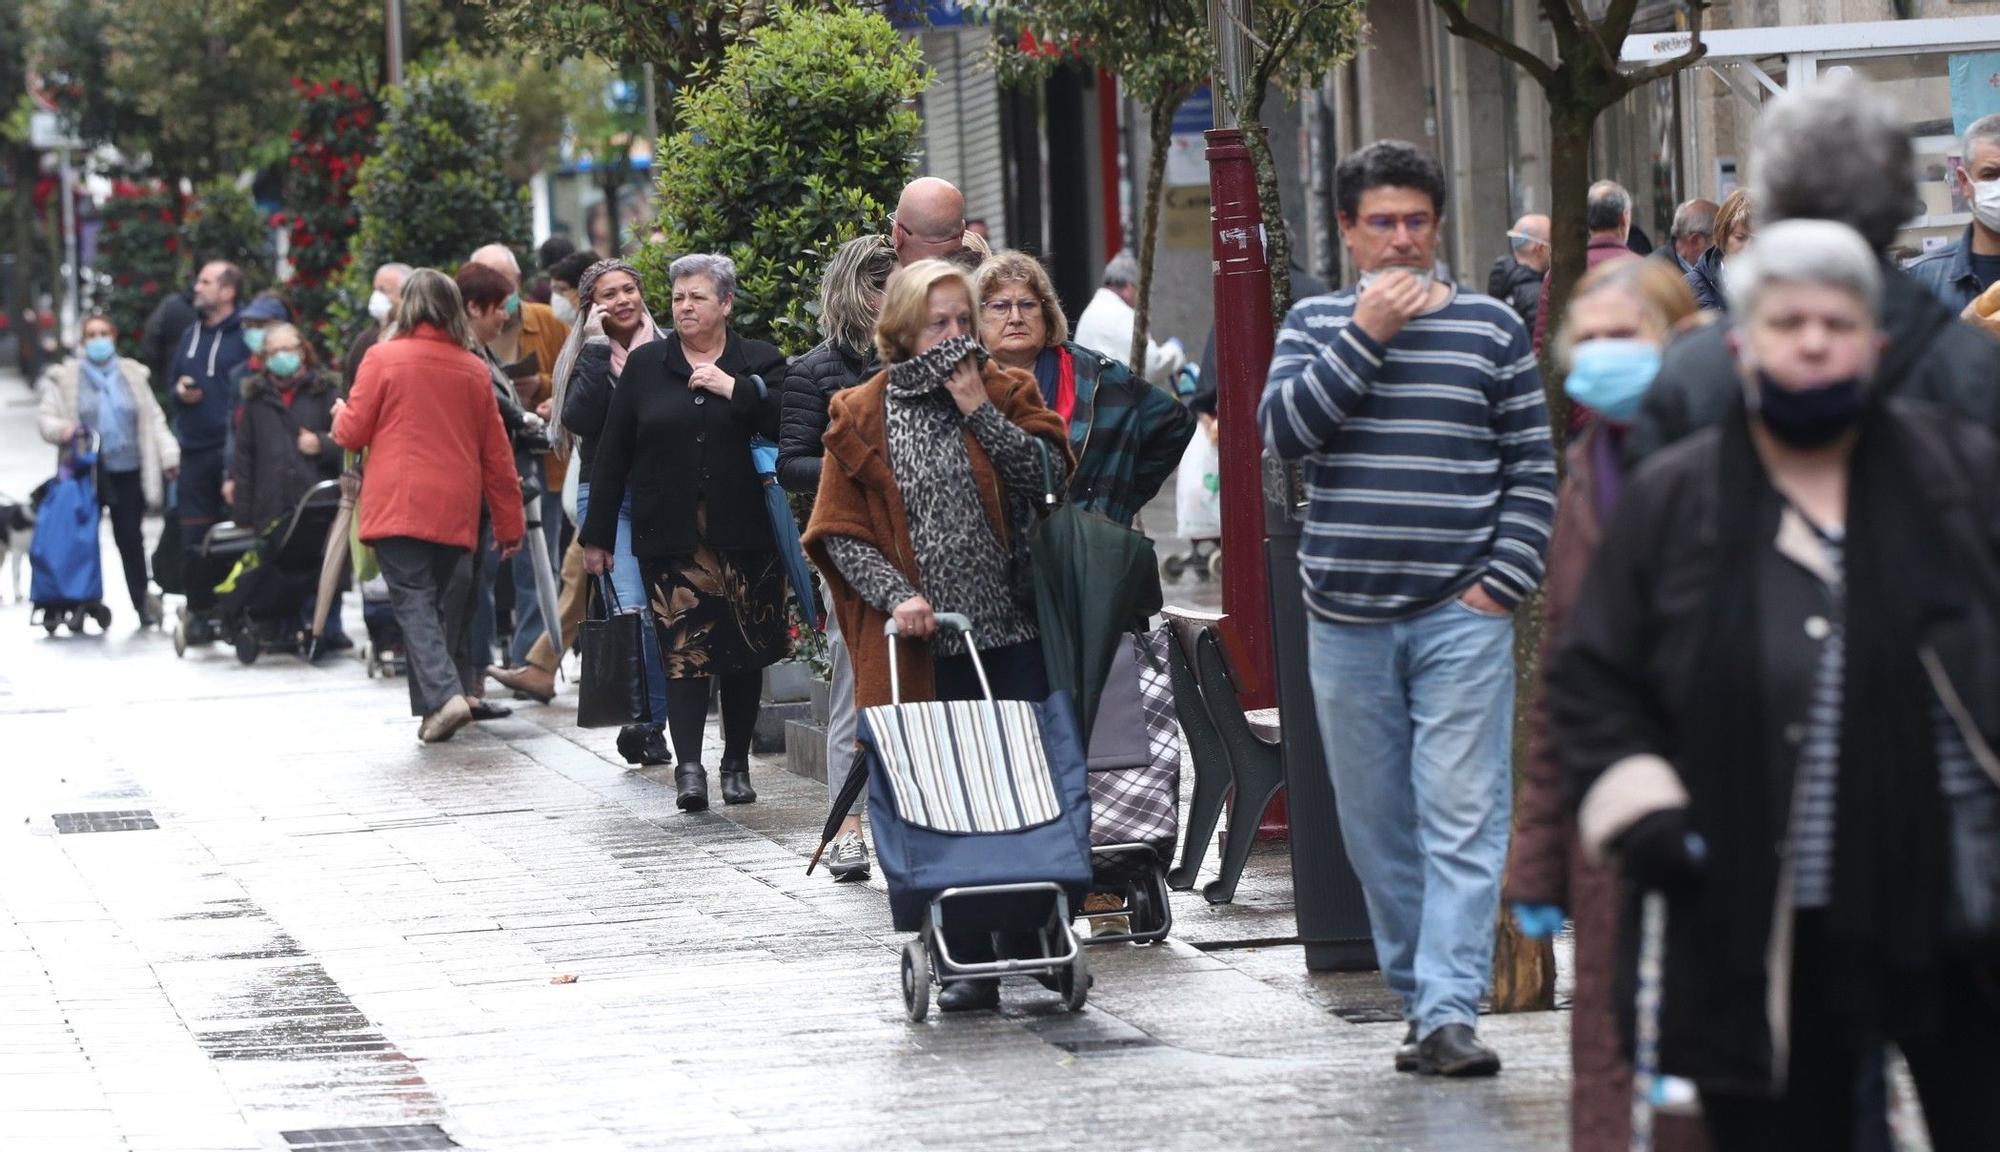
933 473
1128 435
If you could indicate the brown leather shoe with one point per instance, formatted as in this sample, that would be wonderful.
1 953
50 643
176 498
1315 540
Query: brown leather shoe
528 680
439 725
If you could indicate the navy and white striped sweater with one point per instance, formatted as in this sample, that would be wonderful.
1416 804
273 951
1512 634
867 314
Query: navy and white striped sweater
1428 464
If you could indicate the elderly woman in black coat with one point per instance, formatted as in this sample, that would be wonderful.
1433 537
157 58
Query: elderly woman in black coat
1777 700
678 439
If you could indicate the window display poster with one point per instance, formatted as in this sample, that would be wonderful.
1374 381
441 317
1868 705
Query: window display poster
1975 88
1187 155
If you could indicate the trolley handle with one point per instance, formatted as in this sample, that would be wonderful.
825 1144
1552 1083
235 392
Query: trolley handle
956 620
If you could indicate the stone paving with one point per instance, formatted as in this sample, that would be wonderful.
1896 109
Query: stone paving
334 938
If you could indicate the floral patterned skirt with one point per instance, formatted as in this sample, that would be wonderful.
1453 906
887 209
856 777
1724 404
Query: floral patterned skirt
719 613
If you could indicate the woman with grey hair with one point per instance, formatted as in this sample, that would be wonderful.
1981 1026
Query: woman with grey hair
1775 702
677 441
850 297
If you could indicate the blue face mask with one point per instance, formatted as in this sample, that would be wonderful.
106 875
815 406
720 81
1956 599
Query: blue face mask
253 339
285 364
100 349
513 304
1610 377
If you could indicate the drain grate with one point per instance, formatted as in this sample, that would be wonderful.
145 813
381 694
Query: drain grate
377 1138
1369 1014
124 820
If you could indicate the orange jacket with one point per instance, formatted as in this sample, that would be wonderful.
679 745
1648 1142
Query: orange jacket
424 409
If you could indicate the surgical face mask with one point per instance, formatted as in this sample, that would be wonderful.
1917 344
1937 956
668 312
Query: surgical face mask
285 364
1809 417
1610 377
1424 277
253 339
100 349
564 310
513 305
378 306
1986 203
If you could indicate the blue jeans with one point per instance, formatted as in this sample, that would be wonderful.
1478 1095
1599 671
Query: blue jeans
631 589
528 623
1417 716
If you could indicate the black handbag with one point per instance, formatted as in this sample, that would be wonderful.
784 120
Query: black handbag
612 692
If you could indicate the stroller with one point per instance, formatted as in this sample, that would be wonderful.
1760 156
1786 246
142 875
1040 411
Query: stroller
383 653
981 821
264 577
68 573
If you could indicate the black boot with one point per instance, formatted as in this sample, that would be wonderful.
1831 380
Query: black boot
644 744
692 782
736 783
974 995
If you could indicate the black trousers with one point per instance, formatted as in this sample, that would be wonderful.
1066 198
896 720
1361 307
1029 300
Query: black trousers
430 588
124 497
1016 673
1957 1072
201 507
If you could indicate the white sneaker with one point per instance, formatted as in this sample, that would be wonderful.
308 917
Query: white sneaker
848 860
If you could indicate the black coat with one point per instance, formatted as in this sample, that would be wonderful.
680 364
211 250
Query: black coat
674 447
1620 692
587 402
271 473
810 384
1517 286
1930 356
1705 280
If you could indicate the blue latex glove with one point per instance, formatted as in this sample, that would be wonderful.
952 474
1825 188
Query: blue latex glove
1538 921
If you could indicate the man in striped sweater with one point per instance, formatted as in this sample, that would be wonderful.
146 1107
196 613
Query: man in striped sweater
1418 414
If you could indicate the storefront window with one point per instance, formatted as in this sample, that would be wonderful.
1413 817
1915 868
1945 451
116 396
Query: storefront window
1920 84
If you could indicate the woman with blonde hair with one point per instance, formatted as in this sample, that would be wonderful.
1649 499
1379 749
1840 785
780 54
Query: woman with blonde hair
934 472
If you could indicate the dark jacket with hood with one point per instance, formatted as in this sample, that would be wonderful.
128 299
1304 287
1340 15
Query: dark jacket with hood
810 384
168 322
1128 436
206 353
271 473
1517 286
1705 280
1930 356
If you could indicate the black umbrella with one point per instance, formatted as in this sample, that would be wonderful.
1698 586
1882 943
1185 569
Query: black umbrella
1095 581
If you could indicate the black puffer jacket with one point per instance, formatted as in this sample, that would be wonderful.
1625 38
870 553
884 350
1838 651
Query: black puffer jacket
272 474
1705 281
1517 286
810 383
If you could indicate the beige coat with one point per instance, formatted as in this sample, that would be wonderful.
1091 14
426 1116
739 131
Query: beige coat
159 452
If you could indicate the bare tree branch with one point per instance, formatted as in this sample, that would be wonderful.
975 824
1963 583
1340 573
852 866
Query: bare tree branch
1618 20
1461 25
1696 49
1587 29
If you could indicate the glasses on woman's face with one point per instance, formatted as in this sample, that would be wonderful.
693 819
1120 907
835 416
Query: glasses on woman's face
1000 309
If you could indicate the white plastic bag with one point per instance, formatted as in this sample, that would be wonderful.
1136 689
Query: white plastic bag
571 479
1198 490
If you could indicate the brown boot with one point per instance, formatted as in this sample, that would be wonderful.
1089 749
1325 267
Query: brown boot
534 683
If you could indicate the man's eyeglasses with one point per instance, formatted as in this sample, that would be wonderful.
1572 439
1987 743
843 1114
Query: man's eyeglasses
1001 309
1416 222
1522 239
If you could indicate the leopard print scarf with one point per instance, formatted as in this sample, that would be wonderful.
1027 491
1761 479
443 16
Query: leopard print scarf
929 371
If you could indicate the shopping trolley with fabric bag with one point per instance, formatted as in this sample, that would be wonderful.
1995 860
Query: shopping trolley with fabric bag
981 817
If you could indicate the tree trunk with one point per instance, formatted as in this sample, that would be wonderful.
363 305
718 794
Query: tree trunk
1161 136
1277 238
22 202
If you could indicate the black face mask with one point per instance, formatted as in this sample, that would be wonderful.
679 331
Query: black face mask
1811 418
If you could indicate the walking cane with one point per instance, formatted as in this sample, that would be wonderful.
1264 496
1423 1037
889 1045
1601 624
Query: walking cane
1646 1049
545 573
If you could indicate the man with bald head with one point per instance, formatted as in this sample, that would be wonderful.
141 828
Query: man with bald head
1608 215
1516 278
929 222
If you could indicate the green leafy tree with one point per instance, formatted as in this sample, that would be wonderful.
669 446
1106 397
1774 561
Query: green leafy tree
1292 45
336 133
1158 50
223 224
797 145
437 187
140 257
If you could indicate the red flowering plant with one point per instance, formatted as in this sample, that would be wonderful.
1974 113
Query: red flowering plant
140 257
336 132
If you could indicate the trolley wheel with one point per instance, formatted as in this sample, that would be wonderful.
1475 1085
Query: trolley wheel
916 981
1215 564
50 622
247 646
102 614
1172 567
1141 916
77 616
1074 982
180 639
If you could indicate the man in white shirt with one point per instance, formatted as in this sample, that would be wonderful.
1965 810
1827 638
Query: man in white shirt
1106 325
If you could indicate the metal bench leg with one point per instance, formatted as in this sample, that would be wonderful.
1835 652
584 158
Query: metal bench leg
1257 768
1211 767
